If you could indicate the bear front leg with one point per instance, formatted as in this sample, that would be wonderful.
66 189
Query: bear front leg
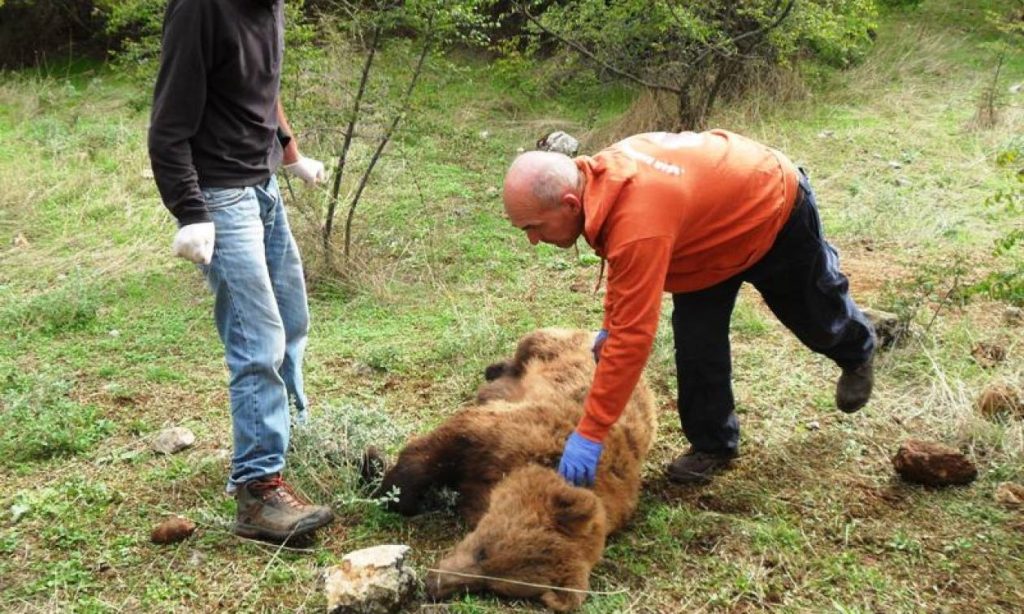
432 460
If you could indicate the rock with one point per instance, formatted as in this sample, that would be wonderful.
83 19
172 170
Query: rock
1010 494
172 530
826 134
174 439
370 581
933 464
888 327
1013 315
559 142
902 182
894 165
19 240
987 354
814 425
999 399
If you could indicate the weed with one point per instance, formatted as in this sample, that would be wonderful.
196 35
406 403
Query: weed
42 423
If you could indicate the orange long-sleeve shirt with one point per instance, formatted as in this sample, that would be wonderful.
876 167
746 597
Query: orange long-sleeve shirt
672 213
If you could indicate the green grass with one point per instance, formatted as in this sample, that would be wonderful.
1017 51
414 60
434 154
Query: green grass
106 339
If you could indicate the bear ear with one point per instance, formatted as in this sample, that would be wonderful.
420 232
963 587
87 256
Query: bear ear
498 369
572 509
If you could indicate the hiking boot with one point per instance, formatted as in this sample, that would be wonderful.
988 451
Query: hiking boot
853 389
696 467
270 510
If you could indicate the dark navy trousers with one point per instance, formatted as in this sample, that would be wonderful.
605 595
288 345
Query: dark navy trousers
800 282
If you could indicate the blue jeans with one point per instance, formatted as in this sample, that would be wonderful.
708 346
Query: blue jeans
263 318
800 281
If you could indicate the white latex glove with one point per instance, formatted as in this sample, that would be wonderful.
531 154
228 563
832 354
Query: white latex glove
307 169
195 242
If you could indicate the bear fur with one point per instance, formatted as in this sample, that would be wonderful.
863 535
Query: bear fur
499 454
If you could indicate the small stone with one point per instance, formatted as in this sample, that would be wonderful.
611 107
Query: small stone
370 581
114 333
174 439
933 464
172 530
814 425
559 142
1010 494
988 354
1000 399
902 182
894 165
1016 88
888 327
484 134
147 173
492 191
19 240
826 134
1013 315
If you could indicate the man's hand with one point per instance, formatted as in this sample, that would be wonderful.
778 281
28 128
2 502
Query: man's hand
579 460
599 340
195 242
307 169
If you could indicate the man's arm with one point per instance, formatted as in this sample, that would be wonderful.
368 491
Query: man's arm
309 170
291 146
633 303
179 98
636 278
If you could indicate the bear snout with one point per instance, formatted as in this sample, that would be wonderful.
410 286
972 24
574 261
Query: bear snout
453 574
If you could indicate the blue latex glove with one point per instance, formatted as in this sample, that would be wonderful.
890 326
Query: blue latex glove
579 460
602 336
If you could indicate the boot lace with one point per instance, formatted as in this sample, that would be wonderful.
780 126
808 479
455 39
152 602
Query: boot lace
276 487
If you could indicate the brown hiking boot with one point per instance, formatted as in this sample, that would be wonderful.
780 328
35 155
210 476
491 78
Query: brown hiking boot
696 467
853 389
270 510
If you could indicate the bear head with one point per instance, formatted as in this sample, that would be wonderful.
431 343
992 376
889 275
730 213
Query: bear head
539 534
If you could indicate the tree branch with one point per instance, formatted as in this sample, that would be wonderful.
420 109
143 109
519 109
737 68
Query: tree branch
579 48
387 137
349 133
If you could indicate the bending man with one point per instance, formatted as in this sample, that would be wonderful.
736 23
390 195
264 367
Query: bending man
696 215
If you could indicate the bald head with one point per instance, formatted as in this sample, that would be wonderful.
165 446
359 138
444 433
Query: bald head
543 197
538 179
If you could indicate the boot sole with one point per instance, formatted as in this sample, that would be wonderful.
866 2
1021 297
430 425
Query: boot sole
302 528
679 477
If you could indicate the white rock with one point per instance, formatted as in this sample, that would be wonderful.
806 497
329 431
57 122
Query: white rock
174 439
370 581
814 425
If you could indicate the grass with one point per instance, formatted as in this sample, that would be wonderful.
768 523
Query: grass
107 339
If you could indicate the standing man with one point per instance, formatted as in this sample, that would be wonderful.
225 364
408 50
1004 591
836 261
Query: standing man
217 136
695 215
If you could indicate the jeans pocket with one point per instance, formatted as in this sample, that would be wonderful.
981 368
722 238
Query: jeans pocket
222 198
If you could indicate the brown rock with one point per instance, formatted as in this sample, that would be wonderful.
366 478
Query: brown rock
172 530
1010 494
988 354
1000 399
889 329
933 464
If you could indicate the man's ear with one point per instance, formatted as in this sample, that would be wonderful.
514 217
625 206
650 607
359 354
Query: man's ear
573 201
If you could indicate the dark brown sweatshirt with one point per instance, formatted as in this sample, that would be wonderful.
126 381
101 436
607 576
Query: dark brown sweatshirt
214 120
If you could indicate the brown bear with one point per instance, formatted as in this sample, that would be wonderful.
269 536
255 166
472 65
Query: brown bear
530 525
